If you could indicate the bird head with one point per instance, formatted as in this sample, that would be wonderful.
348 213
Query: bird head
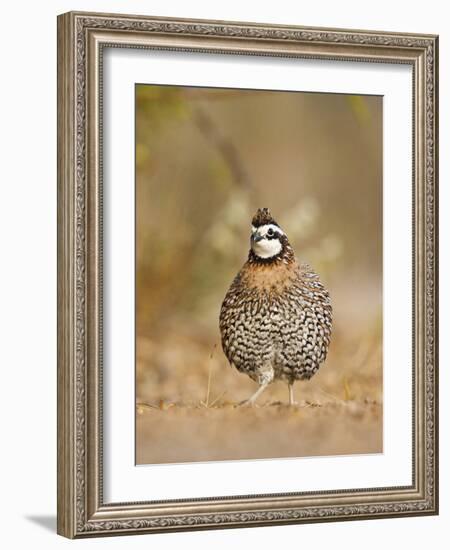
268 241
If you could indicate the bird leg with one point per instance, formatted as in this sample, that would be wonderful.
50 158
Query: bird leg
291 394
251 400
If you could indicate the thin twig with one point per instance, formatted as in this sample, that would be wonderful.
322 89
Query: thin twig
209 387
147 405
218 397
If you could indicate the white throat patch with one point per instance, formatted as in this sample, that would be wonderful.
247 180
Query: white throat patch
266 248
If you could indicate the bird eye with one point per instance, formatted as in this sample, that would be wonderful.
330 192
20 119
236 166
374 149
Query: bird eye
270 232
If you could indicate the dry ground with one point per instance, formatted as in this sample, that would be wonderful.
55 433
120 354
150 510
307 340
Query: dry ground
180 433
187 394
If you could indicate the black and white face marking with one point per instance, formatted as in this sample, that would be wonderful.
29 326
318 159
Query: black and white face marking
265 240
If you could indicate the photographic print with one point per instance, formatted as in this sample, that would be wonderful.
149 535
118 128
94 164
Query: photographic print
259 315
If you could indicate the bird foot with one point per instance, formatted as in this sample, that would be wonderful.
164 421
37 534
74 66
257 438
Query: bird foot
250 402
247 403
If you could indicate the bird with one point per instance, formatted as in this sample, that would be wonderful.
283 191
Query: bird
276 318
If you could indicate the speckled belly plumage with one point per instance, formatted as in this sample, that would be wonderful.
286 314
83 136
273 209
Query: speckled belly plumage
277 330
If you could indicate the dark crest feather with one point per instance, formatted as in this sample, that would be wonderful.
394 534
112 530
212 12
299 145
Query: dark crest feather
263 217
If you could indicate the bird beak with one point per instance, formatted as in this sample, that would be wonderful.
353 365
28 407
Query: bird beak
256 237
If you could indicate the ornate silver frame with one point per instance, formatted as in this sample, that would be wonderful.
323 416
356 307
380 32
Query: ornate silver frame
81 39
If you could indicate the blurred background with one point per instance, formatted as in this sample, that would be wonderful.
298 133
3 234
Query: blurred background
206 159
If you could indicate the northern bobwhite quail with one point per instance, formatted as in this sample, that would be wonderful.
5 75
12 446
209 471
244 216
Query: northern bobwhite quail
276 317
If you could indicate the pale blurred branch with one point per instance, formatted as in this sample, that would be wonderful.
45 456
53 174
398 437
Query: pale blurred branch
224 146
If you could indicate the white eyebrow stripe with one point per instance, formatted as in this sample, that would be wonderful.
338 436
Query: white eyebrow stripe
263 229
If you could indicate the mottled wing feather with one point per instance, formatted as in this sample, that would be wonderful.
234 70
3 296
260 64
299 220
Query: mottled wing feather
304 334
245 328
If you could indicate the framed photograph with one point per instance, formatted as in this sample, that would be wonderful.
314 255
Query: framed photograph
247 274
